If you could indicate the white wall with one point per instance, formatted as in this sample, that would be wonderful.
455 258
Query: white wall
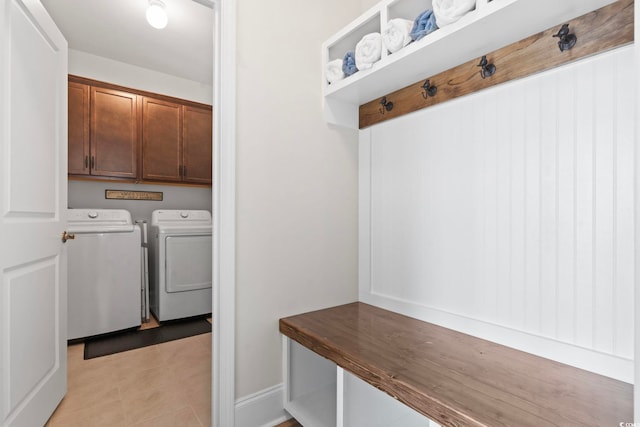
509 214
107 70
90 194
296 181
367 4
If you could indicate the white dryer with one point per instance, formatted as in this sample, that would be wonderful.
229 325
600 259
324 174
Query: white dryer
180 263
104 271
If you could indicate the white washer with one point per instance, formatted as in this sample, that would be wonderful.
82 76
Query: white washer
180 263
104 271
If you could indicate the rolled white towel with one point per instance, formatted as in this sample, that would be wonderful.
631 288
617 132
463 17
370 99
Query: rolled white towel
334 71
368 51
449 11
397 34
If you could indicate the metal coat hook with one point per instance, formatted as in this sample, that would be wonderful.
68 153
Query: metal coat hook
386 105
487 70
567 41
428 89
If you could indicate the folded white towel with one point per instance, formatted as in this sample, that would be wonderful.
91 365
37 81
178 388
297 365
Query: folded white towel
334 71
449 11
368 51
397 34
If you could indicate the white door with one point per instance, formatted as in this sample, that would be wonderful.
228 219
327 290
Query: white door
33 201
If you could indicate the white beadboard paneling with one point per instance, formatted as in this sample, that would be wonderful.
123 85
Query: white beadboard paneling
585 116
512 207
364 205
476 303
624 209
488 246
548 204
532 251
503 218
566 148
517 198
603 209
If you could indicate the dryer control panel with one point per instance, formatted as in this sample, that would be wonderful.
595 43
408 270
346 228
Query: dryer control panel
179 216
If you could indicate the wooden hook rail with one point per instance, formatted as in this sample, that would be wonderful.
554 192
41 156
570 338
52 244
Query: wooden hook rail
598 31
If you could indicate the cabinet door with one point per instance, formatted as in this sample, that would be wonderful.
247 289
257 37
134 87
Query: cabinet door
161 140
197 141
114 133
78 129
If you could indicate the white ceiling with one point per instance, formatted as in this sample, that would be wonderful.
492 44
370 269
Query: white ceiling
117 29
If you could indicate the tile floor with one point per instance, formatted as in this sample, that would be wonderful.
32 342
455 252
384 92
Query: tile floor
166 385
290 423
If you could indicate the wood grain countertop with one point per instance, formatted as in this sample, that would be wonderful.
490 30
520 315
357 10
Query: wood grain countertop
456 379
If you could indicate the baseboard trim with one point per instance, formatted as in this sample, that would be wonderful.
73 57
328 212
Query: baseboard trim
262 409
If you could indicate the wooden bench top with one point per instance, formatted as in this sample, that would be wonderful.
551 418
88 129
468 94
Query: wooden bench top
456 379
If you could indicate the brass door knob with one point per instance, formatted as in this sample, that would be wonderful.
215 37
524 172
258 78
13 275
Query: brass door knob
67 236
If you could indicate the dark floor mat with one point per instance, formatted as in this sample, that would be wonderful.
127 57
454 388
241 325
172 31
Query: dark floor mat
116 343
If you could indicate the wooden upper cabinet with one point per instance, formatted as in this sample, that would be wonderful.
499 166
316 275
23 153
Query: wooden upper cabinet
197 143
176 142
78 127
114 133
161 140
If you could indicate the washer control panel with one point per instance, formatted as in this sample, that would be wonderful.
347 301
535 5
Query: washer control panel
94 220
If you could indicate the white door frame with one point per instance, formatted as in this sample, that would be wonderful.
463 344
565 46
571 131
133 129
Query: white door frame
224 214
636 395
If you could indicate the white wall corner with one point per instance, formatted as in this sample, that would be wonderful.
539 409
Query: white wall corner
262 409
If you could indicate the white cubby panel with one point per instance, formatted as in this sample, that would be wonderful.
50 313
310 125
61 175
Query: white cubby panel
406 9
365 406
345 41
311 390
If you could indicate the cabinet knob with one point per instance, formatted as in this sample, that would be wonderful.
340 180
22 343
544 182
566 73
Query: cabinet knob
93 162
86 162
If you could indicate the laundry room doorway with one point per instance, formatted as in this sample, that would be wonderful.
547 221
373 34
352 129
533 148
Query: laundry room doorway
102 47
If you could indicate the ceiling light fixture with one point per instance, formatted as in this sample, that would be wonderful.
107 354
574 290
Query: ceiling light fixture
156 14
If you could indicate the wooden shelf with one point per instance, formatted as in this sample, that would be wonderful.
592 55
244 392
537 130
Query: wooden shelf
491 26
457 379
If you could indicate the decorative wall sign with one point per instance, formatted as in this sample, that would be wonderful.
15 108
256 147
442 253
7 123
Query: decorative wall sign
155 196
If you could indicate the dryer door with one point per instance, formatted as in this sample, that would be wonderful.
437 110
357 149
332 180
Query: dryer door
188 262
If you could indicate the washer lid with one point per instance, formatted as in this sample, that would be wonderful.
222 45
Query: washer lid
181 218
99 221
